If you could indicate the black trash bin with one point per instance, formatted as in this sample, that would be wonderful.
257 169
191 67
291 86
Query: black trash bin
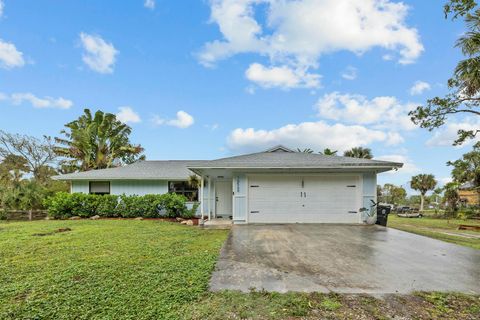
382 215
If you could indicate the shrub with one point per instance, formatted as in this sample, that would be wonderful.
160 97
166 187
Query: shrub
65 205
107 206
190 213
59 206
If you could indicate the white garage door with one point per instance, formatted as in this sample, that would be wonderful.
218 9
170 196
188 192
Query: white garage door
308 199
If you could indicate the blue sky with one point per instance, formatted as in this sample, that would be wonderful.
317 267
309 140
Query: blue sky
208 79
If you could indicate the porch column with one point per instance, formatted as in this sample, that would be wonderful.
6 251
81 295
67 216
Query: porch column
201 196
209 198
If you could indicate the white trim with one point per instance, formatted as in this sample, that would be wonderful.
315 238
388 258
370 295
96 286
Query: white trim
202 197
209 198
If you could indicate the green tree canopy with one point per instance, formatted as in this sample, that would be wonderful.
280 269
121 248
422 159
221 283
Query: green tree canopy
359 152
423 183
464 85
31 153
97 142
391 193
329 152
467 169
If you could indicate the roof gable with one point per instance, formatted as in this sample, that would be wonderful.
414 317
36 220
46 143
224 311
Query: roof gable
279 148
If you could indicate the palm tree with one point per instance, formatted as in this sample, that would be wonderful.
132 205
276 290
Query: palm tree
359 152
97 142
306 150
329 152
423 183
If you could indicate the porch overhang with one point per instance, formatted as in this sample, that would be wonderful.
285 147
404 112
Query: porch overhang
228 172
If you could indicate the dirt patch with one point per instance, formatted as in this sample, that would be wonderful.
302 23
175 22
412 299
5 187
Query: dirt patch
53 232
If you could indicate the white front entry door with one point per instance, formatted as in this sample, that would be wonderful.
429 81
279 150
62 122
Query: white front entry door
304 199
223 197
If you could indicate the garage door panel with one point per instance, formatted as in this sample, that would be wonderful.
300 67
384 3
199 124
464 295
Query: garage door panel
307 199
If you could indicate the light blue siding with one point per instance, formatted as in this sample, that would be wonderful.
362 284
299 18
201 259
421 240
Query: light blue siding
138 187
80 187
240 198
369 189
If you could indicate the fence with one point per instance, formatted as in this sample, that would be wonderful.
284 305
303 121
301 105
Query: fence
24 214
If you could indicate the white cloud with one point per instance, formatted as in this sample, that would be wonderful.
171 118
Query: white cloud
282 77
127 115
350 73
297 33
41 103
10 57
447 134
382 112
408 166
212 127
99 55
419 87
2 6
150 4
182 121
315 135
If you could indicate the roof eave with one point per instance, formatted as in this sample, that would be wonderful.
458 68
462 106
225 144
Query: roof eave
390 167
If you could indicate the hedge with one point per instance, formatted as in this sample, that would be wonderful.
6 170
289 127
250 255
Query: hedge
64 205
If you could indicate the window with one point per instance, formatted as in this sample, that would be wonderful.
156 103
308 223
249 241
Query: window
99 187
183 188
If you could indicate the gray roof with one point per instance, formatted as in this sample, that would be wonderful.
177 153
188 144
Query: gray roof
143 170
293 160
467 185
275 158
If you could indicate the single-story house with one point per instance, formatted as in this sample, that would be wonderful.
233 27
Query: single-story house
274 186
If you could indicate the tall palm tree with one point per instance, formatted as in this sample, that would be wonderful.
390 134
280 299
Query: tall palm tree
329 152
306 150
97 142
423 183
359 152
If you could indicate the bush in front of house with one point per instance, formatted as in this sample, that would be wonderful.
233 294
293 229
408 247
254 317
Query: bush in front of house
65 205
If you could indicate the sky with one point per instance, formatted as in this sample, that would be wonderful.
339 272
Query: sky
214 78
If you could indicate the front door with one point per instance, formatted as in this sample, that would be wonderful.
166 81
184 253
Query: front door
223 197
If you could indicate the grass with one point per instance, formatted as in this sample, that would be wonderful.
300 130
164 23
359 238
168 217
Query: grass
103 269
441 229
125 269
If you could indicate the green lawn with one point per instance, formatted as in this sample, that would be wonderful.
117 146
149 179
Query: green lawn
125 269
442 229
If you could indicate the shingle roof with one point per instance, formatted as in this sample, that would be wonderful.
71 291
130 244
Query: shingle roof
293 160
179 169
143 170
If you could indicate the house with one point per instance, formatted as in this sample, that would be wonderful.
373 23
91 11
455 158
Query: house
274 186
468 194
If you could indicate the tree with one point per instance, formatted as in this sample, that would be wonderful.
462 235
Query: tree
329 152
423 183
451 197
467 169
36 153
392 194
306 150
359 152
97 142
464 85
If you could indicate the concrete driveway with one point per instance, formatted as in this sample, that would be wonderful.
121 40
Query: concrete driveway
345 259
